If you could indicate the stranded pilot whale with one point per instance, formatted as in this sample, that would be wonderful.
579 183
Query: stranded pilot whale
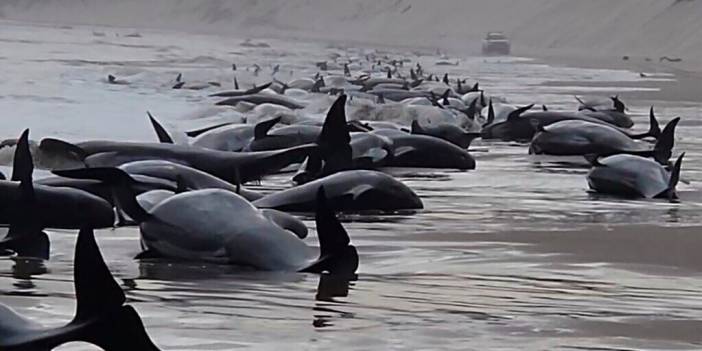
574 137
222 227
356 190
634 176
101 318
50 207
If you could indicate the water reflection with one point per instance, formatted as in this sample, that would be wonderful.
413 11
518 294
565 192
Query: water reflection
329 288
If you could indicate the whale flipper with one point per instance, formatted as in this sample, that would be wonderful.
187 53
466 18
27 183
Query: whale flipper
337 255
163 136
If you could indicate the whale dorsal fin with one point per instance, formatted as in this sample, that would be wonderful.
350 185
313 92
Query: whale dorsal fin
96 291
163 135
491 113
196 132
334 139
415 128
236 84
262 128
618 104
654 129
101 317
337 255
663 149
518 112
445 97
22 164
25 236
674 178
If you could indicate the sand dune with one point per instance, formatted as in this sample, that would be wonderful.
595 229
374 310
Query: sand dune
593 27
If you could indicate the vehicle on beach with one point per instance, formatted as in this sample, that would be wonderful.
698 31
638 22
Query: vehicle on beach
496 43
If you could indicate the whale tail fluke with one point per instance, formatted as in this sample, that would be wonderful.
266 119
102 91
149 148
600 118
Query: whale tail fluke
337 255
101 317
120 181
163 135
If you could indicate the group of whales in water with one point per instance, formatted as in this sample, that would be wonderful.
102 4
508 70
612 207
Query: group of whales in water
190 201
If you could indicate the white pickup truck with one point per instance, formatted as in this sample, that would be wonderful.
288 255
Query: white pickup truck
496 43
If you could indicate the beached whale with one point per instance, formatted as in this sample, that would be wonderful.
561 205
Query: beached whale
350 191
576 137
219 226
634 177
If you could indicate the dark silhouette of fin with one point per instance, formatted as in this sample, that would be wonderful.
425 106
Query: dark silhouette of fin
476 87
334 139
25 236
22 165
196 132
337 255
518 112
147 254
446 79
618 104
261 129
100 313
544 108
96 291
654 129
663 149
671 193
178 85
415 128
445 97
122 184
256 90
163 135
491 114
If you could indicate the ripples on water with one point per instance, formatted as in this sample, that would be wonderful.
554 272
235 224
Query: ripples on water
515 255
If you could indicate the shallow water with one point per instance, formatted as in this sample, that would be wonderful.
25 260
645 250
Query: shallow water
491 263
